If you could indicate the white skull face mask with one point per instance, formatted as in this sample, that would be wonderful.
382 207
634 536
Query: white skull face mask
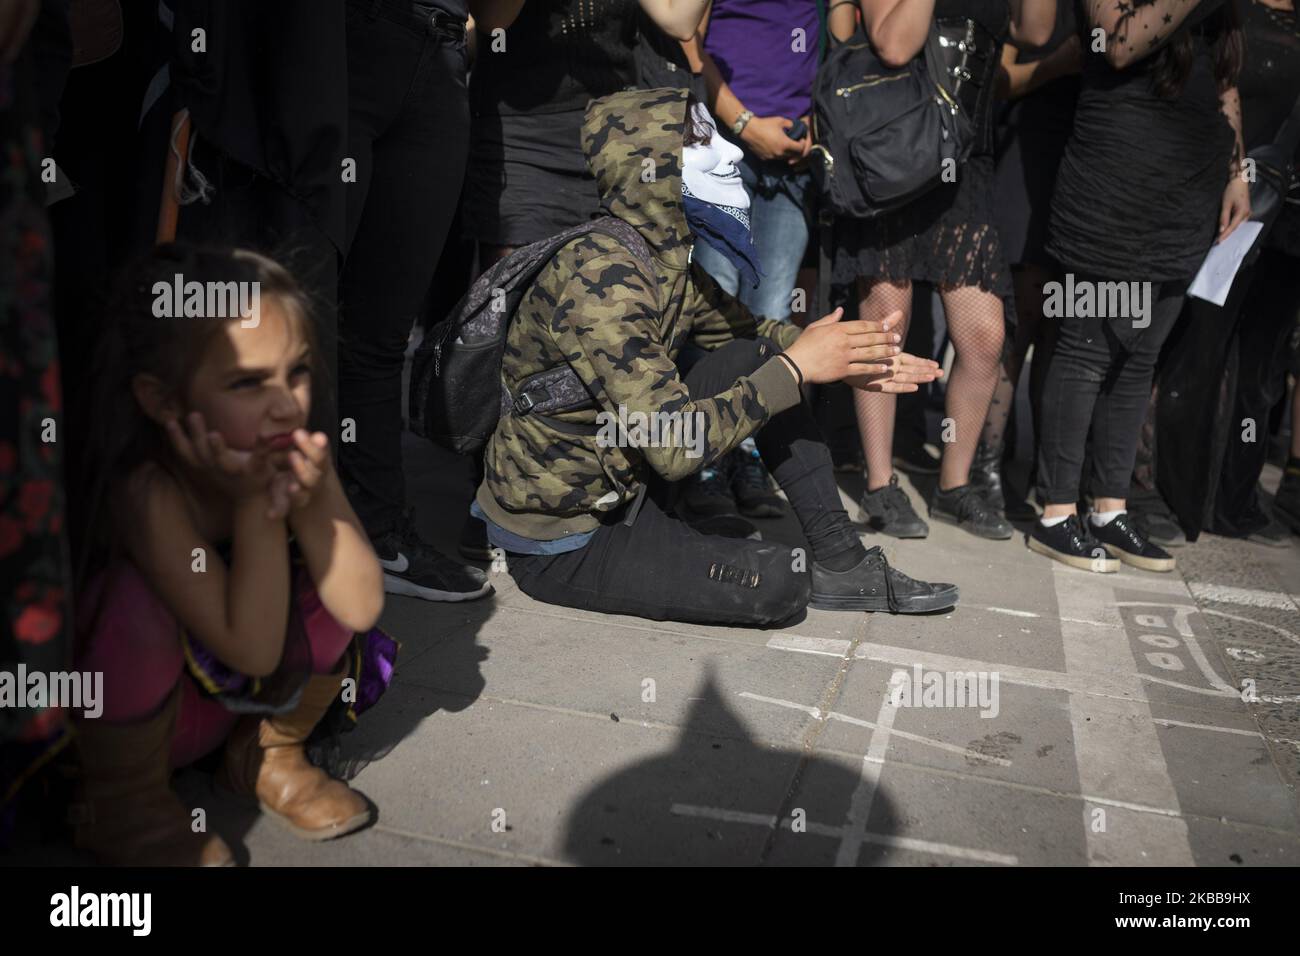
709 170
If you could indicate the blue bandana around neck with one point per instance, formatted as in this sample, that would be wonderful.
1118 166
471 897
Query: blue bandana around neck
726 229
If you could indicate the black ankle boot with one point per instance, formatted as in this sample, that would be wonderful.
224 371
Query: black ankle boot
986 477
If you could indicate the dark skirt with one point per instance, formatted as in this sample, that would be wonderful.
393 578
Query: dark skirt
527 178
947 237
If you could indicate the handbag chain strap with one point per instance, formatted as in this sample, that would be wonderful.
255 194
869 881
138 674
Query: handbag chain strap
959 71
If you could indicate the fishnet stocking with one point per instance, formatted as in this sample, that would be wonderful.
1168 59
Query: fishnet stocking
976 326
876 410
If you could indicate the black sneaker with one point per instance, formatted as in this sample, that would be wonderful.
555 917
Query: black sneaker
1119 537
1067 542
889 511
708 491
414 569
474 545
753 488
986 477
967 508
708 505
872 585
1158 527
1270 534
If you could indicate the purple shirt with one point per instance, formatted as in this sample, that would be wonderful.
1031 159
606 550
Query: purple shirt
766 50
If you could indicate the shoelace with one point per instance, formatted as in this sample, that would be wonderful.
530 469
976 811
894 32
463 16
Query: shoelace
1134 537
1078 537
890 599
971 506
896 501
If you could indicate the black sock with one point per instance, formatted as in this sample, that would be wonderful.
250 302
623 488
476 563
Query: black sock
847 556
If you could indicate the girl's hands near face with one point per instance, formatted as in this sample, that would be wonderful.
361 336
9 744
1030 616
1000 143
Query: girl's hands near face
238 474
906 372
309 462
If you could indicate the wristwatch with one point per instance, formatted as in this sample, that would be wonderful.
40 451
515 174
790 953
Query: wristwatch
738 127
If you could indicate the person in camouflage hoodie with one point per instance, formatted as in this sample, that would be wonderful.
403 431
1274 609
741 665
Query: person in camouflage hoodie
565 494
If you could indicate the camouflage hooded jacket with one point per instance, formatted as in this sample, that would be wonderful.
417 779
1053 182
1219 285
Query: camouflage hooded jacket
620 325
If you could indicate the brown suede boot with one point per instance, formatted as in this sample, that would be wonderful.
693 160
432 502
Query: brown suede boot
125 811
265 761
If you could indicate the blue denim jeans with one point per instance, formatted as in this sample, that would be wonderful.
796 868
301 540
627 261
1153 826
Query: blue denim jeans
778 215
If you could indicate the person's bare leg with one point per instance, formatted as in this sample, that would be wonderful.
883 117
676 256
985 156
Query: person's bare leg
875 410
977 327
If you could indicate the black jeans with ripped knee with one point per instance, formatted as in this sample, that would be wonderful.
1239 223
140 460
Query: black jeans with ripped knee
662 569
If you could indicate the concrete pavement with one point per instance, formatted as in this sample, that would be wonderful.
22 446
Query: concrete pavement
519 733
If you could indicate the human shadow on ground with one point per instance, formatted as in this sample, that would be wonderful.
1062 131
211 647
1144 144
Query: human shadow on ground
719 797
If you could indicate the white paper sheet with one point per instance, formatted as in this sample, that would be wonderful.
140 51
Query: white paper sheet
1214 281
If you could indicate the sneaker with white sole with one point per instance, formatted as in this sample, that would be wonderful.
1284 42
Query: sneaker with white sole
414 569
1122 540
1068 542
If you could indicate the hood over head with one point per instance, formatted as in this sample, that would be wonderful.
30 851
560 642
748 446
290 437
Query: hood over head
633 142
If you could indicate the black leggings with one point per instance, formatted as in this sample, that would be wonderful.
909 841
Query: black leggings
409 134
661 568
1095 396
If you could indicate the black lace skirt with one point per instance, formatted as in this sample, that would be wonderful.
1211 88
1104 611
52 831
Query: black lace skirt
947 237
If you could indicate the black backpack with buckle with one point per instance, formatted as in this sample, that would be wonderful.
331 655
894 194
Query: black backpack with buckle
457 394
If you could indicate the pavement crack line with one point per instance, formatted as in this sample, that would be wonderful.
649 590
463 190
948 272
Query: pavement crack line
808 745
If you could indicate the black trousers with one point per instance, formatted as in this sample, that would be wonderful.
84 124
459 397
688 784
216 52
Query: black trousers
1095 396
408 130
660 568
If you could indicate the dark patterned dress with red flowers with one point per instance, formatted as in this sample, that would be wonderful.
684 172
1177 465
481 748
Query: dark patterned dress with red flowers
34 632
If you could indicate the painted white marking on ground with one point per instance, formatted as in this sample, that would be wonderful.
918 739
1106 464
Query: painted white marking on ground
928 741
864 795
1183 625
1164 722
1098 684
729 816
1223 691
822 829
1250 620
1251 597
859 722
812 712
1012 611
809 645
1116 747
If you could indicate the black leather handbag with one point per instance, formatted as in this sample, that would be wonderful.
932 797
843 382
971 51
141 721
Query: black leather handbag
885 135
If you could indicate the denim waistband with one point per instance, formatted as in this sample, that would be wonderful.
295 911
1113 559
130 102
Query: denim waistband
420 15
